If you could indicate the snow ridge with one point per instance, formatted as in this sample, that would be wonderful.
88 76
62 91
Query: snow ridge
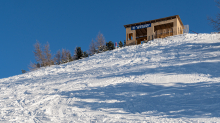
175 79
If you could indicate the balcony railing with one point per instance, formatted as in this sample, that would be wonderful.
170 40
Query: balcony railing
163 33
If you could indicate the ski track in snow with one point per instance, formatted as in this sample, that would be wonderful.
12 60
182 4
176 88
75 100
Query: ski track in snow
175 79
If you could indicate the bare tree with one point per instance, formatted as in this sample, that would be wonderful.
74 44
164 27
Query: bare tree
38 53
92 48
68 55
32 66
215 22
100 39
57 58
100 42
47 54
64 56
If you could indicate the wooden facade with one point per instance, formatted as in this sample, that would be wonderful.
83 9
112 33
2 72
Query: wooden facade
158 28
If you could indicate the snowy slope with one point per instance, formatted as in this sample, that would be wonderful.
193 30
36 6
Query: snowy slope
166 80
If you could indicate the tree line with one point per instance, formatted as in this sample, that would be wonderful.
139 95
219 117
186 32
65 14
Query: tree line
44 57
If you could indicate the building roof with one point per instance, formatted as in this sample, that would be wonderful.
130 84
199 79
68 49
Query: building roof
156 20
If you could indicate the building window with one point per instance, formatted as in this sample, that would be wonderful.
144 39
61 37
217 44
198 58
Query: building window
130 36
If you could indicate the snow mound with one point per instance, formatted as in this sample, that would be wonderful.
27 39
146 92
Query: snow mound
175 79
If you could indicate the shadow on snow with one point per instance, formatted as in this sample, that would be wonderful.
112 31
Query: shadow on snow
182 100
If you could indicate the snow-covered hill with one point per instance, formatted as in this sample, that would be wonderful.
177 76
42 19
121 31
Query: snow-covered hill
176 79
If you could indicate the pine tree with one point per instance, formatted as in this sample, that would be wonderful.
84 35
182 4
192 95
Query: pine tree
70 58
120 44
23 71
85 54
110 45
124 43
78 53
38 65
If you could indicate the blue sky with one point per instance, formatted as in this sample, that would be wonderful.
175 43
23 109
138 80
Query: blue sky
70 23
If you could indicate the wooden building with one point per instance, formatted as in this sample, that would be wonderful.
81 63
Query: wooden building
148 30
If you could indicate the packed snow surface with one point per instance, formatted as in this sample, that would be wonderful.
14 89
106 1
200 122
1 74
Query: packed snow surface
176 79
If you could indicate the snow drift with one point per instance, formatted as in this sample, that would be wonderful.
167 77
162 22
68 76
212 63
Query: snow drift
175 79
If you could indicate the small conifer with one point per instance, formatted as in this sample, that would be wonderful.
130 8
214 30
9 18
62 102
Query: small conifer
124 43
85 54
110 45
23 71
120 44
78 53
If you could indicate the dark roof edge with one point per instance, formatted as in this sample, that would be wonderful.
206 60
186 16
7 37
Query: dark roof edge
153 21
